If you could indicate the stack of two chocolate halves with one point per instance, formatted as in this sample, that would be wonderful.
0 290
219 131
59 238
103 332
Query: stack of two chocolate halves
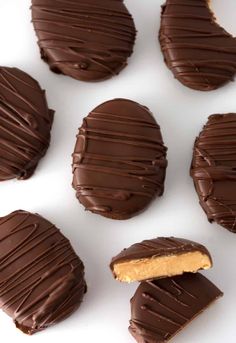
171 291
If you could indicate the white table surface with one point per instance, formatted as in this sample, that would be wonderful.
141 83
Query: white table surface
181 112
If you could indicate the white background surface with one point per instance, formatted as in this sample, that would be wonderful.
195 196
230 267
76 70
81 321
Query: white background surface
181 112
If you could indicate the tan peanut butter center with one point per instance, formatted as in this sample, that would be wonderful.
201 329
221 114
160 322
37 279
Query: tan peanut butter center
155 267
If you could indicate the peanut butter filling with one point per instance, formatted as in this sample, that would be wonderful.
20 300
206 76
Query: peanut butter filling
164 266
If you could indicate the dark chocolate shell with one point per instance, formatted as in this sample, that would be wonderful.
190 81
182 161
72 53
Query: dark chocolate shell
25 124
41 277
162 308
200 53
214 169
119 161
88 40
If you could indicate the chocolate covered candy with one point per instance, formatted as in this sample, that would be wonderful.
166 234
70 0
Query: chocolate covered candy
119 161
88 40
41 277
158 258
200 53
214 169
25 124
161 308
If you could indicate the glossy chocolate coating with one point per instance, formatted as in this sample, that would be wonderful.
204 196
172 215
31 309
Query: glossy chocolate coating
88 40
161 308
119 161
41 277
25 124
159 247
214 169
200 53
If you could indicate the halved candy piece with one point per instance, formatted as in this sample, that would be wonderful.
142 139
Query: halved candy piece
159 258
161 308
41 277
213 169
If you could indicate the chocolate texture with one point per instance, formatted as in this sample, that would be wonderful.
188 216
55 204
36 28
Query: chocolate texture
161 308
200 53
41 277
88 40
160 257
119 161
213 169
25 124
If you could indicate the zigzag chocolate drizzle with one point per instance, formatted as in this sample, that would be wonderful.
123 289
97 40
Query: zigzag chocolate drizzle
161 308
119 160
88 40
41 277
200 53
214 169
25 124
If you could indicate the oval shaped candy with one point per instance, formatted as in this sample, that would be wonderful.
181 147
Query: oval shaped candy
88 40
41 277
119 161
214 169
200 53
25 124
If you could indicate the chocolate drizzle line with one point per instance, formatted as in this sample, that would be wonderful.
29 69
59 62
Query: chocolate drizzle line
161 308
119 159
87 40
200 53
214 169
25 124
158 247
41 277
